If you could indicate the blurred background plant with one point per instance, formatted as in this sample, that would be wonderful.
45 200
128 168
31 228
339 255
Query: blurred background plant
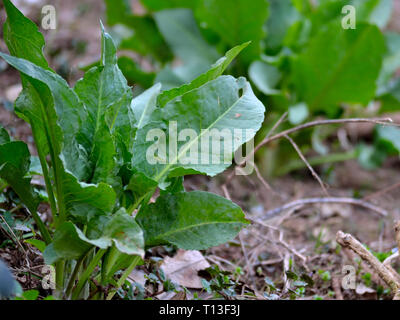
301 61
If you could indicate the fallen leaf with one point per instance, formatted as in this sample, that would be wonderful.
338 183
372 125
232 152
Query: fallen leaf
362 289
138 277
182 269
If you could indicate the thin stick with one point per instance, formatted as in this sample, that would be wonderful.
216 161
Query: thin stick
268 139
348 241
383 191
246 256
336 288
261 178
301 202
275 126
388 264
13 235
302 157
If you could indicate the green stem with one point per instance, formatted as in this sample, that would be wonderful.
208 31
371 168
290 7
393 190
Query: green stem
89 270
44 232
74 275
49 187
60 266
124 276
47 181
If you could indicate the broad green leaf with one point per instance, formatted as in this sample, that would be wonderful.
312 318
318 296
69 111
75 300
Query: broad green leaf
190 220
221 115
85 201
134 74
52 92
125 233
242 21
140 185
22 36
157 5
144 105
390 100
389 138
214 72
189 47
105 93
117 11
265 77
374 11
38 244
370 157
146 38
120 229
66 244
4 136
298 113
328 72
14 165
282 15
391 63
173 185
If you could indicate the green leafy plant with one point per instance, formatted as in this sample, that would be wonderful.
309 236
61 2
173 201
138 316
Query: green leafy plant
92 145
300 60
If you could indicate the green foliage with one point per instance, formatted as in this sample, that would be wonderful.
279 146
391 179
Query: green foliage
328 72
95 136
299 54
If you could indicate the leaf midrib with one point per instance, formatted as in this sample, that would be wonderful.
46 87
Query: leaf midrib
202 132
166 234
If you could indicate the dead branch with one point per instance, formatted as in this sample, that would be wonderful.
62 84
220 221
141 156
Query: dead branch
348 241
301 202
303 158
383 191
268 139
336 288
261 178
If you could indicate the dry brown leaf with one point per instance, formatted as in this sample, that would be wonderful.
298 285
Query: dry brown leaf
182 269
362 289
138 277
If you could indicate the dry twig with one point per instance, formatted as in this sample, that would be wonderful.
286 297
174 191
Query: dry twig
348 241
303 158
301 202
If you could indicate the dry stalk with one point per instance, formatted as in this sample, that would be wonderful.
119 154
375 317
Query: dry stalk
348 241
301 202
336 288
303 158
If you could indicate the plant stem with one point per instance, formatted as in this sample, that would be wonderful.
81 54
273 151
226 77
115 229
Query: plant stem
124 276
73 276
89 270
49 187
44 232
60 266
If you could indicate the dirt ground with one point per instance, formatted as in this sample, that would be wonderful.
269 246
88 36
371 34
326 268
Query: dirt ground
300 239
